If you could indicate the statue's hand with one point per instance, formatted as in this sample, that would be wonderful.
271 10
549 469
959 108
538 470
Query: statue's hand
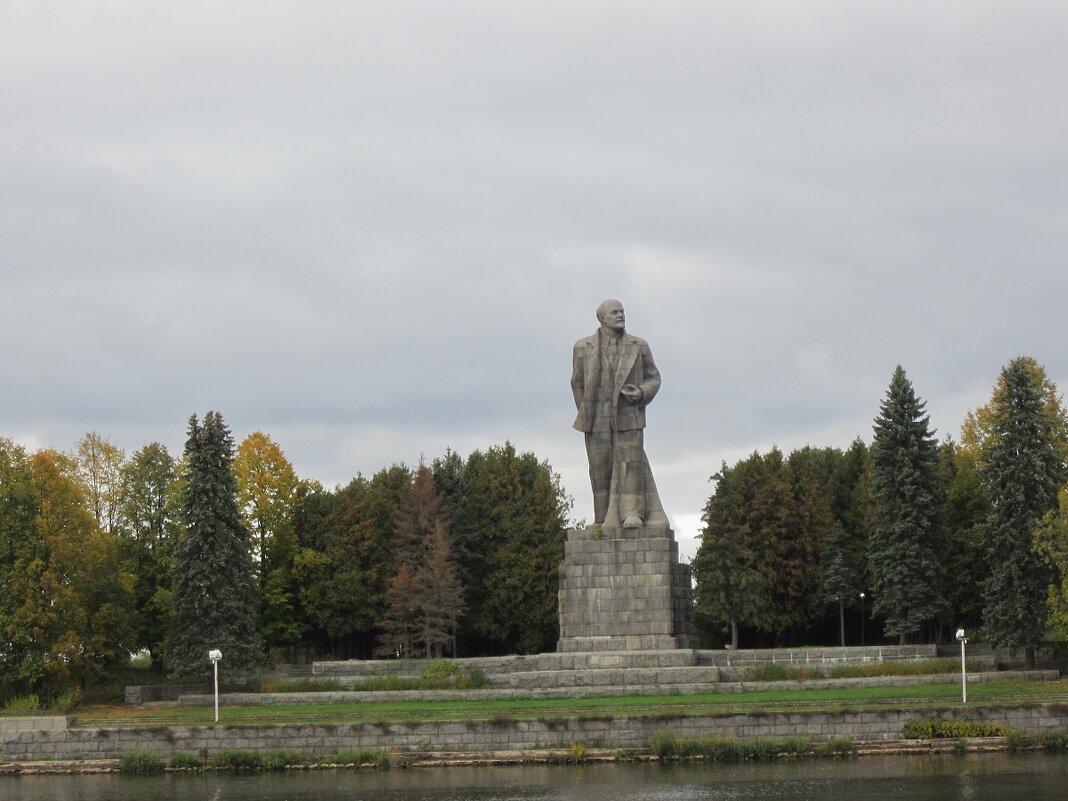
631 393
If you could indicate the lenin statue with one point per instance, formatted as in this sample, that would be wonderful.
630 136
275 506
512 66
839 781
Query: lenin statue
613 379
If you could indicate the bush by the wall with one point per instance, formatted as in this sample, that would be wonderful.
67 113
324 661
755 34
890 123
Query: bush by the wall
234 759
936 728
836 747
140 761
23 705
184 760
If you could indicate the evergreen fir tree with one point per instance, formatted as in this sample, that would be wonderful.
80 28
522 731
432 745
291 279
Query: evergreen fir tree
726 595
842 573
907 502
1022 468
213 597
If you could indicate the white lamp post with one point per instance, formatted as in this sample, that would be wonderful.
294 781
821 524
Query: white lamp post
215 655
963 667
862 619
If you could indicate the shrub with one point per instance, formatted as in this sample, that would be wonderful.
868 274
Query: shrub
775 671
1016 740
718 749
624 755
184 761
472 680
68 701
441 670
23 705
794 746
836 747
280 760
1053 741
234 759
936 728
577 752
140 761
665 744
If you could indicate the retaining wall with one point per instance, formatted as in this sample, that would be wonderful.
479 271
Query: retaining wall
32 743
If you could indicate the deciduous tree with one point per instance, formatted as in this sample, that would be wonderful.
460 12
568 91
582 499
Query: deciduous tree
71 598
267 494
422 619
100 465
149 529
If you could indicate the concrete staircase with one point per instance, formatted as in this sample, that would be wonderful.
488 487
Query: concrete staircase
617 671
676 670
574 674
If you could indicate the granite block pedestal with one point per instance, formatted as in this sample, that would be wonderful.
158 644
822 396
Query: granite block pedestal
623 589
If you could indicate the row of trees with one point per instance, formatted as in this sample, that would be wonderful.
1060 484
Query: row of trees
104 555
936 535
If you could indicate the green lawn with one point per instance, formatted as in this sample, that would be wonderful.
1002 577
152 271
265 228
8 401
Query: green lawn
921 697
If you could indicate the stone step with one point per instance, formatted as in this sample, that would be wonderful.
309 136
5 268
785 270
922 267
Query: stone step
496 665
246 699
621 678
799 657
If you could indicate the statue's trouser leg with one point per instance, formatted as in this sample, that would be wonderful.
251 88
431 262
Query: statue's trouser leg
630 464
599 451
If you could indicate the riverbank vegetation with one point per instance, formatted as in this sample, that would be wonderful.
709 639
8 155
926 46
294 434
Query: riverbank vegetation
142 761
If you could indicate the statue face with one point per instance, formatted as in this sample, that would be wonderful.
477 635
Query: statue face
612 316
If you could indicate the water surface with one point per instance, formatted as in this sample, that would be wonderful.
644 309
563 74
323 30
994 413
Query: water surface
980 777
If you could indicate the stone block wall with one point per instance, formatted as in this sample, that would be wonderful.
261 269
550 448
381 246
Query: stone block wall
498 735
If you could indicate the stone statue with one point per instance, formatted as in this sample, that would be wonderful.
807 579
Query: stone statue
614 378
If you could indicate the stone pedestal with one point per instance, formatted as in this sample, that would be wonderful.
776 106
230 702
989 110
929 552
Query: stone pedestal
624 590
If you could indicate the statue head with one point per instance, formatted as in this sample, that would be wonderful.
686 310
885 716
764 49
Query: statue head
610 315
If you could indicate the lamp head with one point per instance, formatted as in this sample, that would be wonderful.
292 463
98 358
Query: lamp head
214 654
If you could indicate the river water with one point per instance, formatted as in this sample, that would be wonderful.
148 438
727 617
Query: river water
980 777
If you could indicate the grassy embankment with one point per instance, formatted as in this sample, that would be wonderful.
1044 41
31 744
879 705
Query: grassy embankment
921 697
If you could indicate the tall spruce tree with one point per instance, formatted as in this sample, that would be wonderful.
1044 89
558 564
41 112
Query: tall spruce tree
1022 467
906 495
213 599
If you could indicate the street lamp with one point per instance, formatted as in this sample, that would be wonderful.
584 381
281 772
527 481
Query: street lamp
862 619
215 655
963 667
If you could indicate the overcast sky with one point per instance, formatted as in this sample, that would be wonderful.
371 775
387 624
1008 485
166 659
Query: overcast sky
374 230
